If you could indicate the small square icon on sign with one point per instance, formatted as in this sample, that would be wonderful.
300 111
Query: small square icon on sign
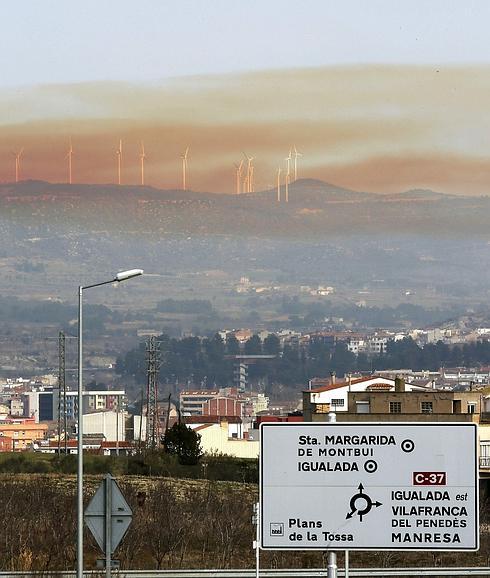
277 529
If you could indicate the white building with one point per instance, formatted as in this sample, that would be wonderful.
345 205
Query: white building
222 438
356 345
335 396
111 425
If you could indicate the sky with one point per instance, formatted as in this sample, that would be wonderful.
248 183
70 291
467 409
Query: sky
382 95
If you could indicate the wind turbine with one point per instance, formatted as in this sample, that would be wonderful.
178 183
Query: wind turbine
119 161
69 154
184 169
296 155
288 175
249 177
142 158
18 156
238 172
279 170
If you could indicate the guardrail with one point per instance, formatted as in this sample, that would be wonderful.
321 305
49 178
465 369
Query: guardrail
265 573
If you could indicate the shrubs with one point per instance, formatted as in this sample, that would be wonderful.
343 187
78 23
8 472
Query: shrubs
155 464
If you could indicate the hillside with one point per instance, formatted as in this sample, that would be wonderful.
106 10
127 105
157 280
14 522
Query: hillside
315 208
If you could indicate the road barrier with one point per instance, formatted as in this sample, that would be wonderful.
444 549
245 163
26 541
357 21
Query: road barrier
266 573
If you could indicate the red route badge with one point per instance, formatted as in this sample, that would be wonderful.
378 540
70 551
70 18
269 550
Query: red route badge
429 478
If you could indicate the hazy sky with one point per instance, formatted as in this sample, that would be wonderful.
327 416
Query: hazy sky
56 41
379 95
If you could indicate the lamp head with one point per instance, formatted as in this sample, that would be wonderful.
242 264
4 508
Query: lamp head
123 275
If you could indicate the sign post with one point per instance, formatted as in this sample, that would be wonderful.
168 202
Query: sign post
369 486
108 516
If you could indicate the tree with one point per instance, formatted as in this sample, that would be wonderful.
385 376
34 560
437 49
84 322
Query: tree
272 345
342 360
253 346
232 345
183 442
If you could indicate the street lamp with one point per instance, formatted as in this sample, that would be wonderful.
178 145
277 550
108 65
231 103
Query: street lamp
122 276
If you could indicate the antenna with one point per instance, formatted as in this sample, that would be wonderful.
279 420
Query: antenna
279 170
184 169
69 154
238 171
296 155
142 158
119 161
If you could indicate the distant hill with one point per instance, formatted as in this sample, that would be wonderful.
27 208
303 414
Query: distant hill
419 195
314 190
315 208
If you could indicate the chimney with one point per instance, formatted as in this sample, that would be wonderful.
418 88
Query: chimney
332 378
399 384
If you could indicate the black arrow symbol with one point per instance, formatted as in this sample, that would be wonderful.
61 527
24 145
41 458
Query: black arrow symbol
377 504
349 515
360 487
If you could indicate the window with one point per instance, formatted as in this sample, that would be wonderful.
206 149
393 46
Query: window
322 408
472 407
426 407
337 402
395 406
362 406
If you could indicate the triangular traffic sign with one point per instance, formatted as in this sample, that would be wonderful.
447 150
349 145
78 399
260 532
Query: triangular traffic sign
121 514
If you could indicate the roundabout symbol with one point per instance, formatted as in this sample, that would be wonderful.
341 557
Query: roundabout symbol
370 466
361 504
407 446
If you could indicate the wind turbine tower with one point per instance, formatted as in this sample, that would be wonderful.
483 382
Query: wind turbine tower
119 161
296 155
250 172
288 176
184 169
69 154
279 170
238 174
142 159
18 156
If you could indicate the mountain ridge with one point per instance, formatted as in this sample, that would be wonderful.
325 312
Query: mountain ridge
315 208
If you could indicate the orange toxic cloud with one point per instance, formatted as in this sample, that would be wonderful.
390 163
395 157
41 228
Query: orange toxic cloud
380 129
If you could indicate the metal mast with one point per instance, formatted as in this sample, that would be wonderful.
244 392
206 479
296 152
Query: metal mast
61 389
152 424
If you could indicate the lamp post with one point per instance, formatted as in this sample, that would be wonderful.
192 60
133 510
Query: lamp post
122 276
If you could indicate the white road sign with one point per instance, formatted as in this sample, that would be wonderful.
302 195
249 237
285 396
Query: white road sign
108 506
369 486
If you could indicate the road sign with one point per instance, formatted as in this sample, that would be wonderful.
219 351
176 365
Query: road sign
108 514
369 486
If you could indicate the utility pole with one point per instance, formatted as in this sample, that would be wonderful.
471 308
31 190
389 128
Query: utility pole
153 361
61 388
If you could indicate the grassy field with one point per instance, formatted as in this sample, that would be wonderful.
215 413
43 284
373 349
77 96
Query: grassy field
177 523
